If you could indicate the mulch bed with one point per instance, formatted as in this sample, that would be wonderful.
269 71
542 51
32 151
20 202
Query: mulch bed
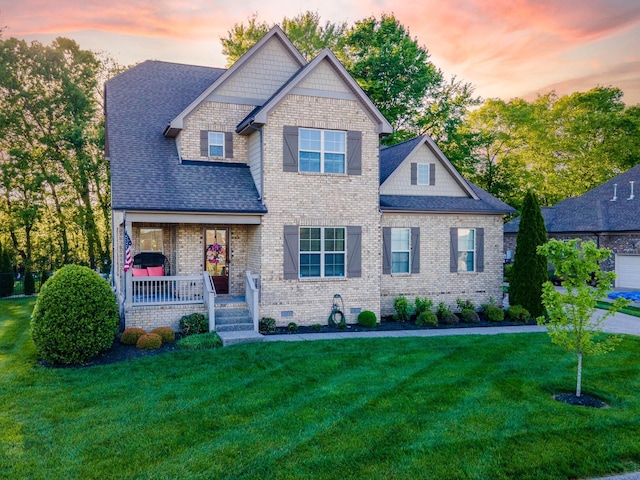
583 400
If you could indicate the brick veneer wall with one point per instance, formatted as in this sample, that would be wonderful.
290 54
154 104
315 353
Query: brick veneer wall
318 200
435 281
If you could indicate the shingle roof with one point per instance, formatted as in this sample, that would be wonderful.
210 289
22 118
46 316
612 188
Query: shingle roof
146 173
595 211
392 157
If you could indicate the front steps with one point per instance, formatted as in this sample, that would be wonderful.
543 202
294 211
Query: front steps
233 321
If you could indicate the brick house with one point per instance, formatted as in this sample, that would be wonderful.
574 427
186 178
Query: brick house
261 191
608 215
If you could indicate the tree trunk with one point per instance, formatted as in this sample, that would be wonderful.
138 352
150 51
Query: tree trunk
579 384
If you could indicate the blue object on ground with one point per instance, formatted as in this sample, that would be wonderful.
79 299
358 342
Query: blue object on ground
634 296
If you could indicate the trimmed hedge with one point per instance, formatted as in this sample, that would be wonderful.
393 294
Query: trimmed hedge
75 316
149 341
367 318
166 334
131 335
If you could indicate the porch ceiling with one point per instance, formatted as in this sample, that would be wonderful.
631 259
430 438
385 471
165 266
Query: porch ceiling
213 218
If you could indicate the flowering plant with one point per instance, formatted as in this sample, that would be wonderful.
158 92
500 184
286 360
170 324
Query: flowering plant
214 253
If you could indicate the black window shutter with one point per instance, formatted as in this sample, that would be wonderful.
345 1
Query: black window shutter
290 149
480 249
204 143
415 250
228 144
291 249
354 153
354 252
453 247
414 174
432 174
386 250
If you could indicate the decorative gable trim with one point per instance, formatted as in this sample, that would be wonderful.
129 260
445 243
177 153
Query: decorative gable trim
260 116
177 124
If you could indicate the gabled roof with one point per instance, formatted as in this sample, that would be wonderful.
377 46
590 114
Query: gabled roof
595 211
259 115
145 168
477 200
177 123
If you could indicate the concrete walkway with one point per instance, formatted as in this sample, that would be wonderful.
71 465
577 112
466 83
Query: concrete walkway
619 323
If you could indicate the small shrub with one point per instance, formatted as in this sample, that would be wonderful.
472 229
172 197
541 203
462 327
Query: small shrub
267 325
518 313
367 318
166 333
316 327
494 313
427 319
465 304
149 341
193 323
204 341
402 308
131 335
75 316
342 325
449 318
469 316
292 327
508 270
422 305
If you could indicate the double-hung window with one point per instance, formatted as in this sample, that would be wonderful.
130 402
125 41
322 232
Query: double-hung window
466 249
400 250
423 174
216 144
322 252
322 151
151 240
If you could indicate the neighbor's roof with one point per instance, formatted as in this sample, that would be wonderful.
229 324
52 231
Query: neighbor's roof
476 201
595 211
145 168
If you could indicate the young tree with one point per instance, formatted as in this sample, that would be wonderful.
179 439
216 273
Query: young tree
529 267
571 322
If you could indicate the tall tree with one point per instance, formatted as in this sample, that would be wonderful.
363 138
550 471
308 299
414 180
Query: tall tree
529 267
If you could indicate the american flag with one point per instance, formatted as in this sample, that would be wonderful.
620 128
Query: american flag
128 259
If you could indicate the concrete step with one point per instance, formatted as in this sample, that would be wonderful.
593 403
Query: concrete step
234 338
235 327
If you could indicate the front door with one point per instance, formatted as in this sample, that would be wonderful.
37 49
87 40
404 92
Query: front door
216 257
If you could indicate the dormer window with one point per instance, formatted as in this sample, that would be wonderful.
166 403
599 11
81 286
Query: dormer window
216 144
322 151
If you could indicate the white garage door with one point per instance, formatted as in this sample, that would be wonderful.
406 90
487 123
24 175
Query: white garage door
628 271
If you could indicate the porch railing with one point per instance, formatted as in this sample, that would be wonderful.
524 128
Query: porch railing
252 296
209 294
163 290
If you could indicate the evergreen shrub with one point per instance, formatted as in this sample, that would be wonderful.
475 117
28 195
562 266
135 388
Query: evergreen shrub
131 335
149 341
166 334
427 319
193 323
367 318
267 325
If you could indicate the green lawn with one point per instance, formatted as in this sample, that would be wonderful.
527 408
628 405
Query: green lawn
471 407
629 310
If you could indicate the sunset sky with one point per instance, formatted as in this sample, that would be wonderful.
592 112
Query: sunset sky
506 48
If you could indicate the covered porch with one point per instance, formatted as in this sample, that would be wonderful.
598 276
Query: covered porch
185 263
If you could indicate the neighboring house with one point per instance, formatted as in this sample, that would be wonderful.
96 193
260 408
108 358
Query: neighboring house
609 215
261 191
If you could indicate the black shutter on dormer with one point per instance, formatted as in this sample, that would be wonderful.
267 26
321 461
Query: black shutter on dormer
204 143
228 144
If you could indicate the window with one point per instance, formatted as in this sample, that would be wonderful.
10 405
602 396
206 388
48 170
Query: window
423 174
322 151
151 240
466 249
322 252
216 144
400 250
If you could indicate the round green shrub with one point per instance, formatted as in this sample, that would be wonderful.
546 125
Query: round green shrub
166 334
316 327
469 316
267 325
149 341
449 318
367 318
193 323
75 316
518 313
292 327
494 313
427 319
200 342
131 335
